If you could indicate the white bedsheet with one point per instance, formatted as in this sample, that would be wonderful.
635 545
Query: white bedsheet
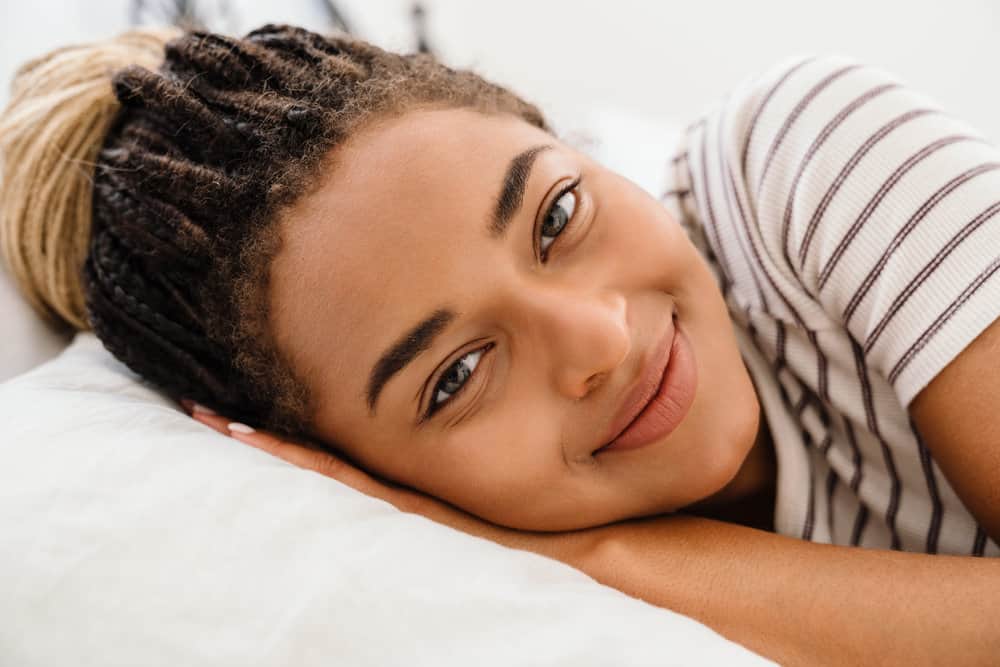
132 535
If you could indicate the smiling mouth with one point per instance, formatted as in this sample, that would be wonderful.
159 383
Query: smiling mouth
658 389
666 391
644 389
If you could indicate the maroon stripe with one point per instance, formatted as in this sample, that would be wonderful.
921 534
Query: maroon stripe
810 520
822 384
846 171
731 193
811 152
824 446
821 369
753 331
873 203
946 315
831 477
860 521
934 530
855 456
831 490
779 361
861 518
715 261
979 546
780 364
760 110
710 223
896 487
926 272
794 116
901 235
758 261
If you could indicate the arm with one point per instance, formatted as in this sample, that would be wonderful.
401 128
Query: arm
792 601
957 416
803 603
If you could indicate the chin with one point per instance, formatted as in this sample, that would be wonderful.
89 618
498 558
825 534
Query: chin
723 482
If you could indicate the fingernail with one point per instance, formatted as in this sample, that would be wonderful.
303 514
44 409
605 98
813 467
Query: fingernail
237 427
201 409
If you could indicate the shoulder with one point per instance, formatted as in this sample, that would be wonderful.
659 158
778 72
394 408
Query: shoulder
759 159
800 102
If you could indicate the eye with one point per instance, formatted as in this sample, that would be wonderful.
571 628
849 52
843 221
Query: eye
454 380
557 218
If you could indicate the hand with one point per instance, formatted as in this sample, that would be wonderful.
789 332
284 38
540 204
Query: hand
309 456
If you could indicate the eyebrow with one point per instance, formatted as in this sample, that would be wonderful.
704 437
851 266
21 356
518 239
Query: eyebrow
421 336
405 349
515 181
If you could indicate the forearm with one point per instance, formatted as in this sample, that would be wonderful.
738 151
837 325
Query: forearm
802 603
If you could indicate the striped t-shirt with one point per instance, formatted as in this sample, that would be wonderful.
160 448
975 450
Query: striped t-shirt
853 228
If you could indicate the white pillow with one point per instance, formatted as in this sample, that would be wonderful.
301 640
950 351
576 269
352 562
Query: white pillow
132 535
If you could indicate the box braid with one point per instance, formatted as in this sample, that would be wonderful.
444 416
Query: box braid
201 157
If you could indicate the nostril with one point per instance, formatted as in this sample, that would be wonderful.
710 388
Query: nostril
594 381
589 386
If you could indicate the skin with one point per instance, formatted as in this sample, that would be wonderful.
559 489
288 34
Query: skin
397 228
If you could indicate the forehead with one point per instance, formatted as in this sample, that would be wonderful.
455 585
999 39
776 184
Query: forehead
396 225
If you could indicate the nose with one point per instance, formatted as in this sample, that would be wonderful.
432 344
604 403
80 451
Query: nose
585 335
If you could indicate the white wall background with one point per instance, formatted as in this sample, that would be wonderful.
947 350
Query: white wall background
656 58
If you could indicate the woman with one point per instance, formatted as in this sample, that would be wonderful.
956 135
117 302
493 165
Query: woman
380 256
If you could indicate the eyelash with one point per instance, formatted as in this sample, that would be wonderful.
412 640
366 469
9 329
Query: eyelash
570 187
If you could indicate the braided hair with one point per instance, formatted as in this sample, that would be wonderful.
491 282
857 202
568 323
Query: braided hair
142 180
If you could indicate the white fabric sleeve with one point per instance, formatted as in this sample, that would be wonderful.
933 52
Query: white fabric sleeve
863 205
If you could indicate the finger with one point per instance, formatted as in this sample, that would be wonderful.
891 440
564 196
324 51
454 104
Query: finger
213 421
192 407
298 454
293 453
306 457
260 439
301 455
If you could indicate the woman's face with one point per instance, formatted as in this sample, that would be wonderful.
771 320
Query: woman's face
400 244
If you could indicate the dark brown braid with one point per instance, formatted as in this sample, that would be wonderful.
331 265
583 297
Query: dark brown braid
202 158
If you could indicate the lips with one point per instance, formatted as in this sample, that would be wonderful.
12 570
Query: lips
644 388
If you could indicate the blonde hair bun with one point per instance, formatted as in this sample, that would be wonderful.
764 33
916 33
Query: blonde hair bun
61 107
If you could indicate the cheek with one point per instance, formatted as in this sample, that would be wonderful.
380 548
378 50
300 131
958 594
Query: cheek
637 223
496 466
